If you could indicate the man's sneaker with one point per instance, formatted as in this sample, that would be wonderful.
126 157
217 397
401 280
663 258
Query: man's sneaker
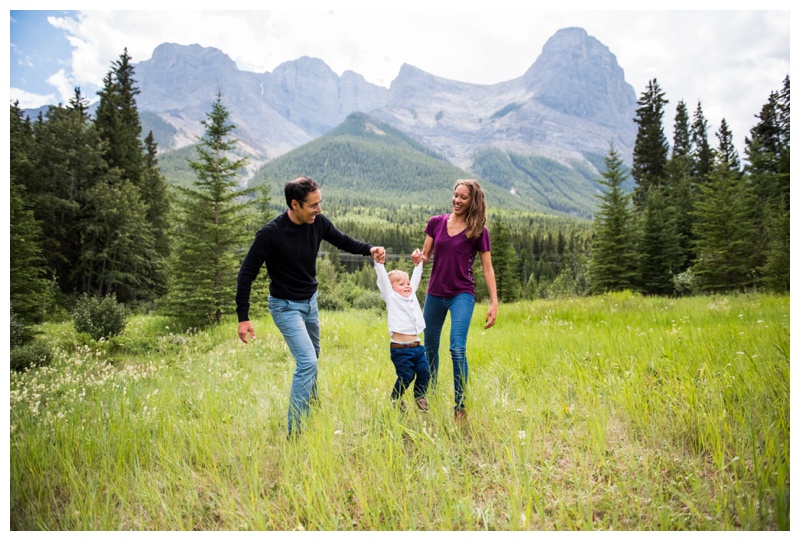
422 404
460 416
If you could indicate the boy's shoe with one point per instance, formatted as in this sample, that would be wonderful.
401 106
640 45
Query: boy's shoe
460 416
422 404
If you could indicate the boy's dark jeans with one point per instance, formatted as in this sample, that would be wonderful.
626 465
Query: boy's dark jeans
411 365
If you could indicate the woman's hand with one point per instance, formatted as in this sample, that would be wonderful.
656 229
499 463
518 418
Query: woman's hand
491 316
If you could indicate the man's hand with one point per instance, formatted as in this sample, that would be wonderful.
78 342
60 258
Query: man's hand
378 253
245 328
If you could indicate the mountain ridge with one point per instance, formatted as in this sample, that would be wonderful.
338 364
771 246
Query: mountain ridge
572 100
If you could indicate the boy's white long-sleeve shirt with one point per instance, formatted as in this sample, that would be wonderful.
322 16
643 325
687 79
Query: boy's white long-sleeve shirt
405 314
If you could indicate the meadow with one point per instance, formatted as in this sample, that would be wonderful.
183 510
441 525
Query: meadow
615 412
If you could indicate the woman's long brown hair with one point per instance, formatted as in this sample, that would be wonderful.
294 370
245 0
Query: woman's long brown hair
476 212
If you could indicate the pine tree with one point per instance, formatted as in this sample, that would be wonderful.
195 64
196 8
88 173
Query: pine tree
157 201
651 148
726 226
212 228
768 150
29 289
613 263
777 256
726 154
21 144
679 186
117 244
702 153
659 251
504 262
117 120
66 162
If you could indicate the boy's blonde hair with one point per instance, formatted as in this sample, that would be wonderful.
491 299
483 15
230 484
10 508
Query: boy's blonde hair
397 275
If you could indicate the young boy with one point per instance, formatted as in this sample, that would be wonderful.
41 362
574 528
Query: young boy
405 324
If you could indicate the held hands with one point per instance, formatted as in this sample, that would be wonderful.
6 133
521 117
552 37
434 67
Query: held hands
416 257
245 328
378 253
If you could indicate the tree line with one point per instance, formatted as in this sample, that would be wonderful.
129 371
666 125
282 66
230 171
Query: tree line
89 206
698 219
92 215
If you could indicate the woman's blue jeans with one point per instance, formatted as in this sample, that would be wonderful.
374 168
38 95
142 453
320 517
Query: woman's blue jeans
460 307
298 322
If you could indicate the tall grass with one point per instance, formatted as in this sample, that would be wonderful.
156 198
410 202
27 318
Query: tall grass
608 413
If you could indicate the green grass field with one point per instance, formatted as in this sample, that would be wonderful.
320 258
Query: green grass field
617 412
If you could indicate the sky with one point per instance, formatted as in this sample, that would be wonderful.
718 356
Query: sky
729 61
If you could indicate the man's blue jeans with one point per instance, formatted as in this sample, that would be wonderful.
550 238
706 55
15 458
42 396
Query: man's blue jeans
298 322
460 307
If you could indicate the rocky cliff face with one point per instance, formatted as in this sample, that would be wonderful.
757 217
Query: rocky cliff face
578 76
273 112
573 100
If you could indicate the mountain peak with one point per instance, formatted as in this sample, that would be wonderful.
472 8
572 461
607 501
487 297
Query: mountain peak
579 76
172 55
569 104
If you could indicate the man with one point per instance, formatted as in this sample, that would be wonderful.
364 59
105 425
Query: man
289 245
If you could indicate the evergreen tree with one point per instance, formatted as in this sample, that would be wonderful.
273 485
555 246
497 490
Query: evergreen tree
66 161
702 153
504 262
262 205
117 120
28 285
768 150
21 145
117 244
681 138
679 186
157 202
659 251
726 155
212 228
651 148
777 258
613 263
573 280
726 226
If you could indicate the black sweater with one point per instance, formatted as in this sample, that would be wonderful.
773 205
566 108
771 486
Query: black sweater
290 253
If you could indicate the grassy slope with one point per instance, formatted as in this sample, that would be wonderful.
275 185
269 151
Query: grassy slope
364 162
615 412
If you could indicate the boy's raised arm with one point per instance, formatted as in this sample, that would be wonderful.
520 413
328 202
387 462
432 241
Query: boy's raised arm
384 285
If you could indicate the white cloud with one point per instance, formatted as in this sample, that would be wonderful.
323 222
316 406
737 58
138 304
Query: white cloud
65 87
30 101
728 60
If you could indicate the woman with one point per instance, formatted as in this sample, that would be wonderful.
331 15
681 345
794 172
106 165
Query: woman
456 238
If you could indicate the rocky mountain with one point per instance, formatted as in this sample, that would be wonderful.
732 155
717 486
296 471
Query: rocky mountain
568 106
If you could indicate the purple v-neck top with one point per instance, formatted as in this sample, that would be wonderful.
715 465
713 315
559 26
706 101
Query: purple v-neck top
453 258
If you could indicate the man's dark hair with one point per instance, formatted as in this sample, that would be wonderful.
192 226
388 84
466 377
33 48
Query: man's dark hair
298 189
